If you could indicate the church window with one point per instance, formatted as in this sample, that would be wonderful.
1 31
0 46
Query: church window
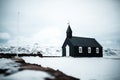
80 49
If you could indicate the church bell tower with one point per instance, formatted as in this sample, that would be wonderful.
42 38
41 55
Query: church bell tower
69 32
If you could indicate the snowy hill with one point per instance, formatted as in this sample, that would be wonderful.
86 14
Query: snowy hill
45 51
111 53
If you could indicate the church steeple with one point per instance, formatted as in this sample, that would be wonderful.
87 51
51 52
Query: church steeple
69 31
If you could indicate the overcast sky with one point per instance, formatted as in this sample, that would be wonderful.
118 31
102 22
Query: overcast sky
45 21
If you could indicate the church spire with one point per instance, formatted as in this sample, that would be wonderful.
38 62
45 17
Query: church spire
69 31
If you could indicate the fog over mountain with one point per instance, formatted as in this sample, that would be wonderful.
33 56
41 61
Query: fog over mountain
25 22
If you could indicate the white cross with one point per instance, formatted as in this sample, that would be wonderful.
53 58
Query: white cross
68 22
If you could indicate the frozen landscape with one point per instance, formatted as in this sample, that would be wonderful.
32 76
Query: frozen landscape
33 31
106 68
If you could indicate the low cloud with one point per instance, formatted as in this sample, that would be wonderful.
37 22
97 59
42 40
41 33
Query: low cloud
4 37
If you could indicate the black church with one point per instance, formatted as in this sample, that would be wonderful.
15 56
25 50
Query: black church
80 46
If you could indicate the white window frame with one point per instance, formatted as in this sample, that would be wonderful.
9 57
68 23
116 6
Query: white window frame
80 50
97 50
89 49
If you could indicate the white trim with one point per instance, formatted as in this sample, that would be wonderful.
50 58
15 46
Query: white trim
67 50
97 50
89 49
80 49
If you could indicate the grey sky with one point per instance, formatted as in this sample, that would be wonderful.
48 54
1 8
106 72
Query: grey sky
45 21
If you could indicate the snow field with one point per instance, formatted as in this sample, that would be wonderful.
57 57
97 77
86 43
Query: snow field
83 68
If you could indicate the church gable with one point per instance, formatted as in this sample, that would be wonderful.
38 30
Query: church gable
66 42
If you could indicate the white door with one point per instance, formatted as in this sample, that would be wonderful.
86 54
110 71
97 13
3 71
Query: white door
67 50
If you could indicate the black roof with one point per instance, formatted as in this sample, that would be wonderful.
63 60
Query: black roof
86 42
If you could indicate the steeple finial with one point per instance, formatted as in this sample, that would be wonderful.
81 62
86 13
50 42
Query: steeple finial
68 23
69 31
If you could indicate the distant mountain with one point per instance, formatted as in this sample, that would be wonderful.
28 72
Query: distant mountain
45 51
13 49
49 51
111 52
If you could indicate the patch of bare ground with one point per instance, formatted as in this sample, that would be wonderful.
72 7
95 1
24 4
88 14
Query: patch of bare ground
58 75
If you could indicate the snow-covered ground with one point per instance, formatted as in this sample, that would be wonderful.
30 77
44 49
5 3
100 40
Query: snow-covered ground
27 75
9 65
83 68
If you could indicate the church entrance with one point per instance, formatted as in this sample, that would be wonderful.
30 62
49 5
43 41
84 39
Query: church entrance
67 51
